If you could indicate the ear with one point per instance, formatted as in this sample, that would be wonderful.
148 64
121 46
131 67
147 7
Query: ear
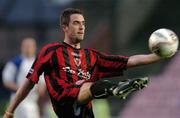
64 28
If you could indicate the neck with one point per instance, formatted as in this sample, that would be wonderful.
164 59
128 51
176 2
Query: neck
74 45
28 55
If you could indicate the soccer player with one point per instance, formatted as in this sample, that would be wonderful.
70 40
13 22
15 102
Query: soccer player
14 74
72 74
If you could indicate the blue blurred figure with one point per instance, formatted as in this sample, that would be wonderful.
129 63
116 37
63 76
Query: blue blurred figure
14 74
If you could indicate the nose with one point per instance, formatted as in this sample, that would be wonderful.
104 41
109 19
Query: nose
81 27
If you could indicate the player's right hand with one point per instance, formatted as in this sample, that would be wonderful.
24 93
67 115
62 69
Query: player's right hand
6 115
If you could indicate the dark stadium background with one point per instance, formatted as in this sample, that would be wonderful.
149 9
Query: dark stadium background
112 26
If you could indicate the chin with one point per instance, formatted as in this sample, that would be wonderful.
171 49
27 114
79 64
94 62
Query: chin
78 40
81 39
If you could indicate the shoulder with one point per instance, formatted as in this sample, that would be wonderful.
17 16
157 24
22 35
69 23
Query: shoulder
91 50
50 47
96 52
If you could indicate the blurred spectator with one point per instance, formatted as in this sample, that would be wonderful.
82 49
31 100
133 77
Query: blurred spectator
15 72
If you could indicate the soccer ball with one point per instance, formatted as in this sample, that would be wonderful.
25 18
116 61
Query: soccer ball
163 42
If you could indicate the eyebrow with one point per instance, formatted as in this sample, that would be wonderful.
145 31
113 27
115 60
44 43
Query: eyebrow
78 21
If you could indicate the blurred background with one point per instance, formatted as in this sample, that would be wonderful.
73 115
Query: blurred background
112 26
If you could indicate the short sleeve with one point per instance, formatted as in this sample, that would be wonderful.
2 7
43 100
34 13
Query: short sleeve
40 64
110 65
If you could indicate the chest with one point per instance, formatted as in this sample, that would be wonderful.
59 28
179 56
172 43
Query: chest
76 59
74 62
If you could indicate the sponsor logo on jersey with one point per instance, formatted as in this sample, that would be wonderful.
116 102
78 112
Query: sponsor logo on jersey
80 73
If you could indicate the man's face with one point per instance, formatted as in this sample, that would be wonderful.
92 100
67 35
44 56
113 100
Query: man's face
75 29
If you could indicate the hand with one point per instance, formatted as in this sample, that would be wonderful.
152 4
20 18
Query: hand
8 115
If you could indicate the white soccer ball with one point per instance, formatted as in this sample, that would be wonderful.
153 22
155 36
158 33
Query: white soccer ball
163 42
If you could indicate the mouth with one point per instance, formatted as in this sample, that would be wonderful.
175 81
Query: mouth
80 32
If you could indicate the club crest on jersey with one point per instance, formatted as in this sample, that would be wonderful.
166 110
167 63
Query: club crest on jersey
77 61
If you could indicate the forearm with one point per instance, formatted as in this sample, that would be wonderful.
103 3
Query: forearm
138 60
84 95
21 93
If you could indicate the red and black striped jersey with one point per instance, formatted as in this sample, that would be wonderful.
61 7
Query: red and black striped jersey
66 69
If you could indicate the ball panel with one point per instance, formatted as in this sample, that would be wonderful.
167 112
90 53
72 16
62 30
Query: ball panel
163 42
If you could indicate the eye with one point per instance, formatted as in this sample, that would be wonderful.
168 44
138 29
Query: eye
79 23
75 22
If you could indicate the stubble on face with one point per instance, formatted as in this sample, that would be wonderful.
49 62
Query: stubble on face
77 28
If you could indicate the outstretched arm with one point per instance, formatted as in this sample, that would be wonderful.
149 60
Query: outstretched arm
138 60
21 93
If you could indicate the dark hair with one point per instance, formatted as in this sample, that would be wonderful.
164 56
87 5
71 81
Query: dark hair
65 17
